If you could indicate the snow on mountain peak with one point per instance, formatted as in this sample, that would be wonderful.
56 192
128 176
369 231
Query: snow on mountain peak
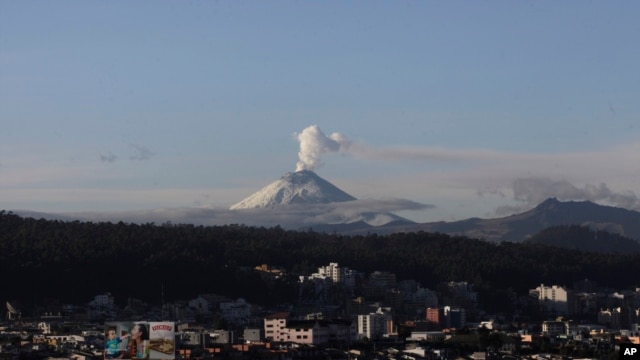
300 187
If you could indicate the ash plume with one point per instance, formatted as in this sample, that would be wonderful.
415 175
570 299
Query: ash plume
314 143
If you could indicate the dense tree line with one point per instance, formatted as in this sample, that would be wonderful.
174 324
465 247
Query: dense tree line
73 261
583 237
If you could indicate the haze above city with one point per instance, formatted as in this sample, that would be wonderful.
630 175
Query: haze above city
432 110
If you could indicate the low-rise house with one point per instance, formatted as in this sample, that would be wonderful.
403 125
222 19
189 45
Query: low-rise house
426 336
556 328
253 335
280 328
309 332
64 339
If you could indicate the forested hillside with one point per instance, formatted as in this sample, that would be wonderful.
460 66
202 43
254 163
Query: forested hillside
73 261
583 237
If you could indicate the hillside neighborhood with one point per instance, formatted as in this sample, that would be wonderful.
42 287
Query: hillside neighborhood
346 314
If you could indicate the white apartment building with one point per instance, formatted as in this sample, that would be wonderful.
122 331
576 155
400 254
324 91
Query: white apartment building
275 327
335 273
332 271
279 328
556 299
375 325
310 332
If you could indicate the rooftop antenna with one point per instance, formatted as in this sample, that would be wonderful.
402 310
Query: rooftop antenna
12 311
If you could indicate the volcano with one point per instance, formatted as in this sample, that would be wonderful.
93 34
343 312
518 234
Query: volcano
303 190
300 187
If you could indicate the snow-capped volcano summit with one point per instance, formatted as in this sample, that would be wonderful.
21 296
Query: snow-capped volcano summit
302 198
300 187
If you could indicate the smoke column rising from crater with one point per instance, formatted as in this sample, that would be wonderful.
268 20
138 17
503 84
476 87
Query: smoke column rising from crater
314 143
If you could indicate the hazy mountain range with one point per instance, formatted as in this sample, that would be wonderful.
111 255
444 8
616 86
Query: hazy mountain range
303 200
519 227
305 187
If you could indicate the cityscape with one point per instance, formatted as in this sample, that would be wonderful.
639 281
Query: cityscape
341 313
319 180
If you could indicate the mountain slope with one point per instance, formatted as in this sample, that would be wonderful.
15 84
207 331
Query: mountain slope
326 205
300 187
519 227
585 239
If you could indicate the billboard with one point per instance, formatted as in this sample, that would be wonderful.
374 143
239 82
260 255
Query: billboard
139 340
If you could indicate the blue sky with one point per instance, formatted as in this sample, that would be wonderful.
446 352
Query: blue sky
475 108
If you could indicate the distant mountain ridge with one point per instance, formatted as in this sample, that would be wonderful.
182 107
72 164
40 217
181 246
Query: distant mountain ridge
519 227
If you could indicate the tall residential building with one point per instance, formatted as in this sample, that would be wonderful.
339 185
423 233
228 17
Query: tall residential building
275 326
332 271
375 325
455 318
336 273
556 299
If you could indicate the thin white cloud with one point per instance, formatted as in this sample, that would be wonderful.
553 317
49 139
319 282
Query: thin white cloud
291 216
530 192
